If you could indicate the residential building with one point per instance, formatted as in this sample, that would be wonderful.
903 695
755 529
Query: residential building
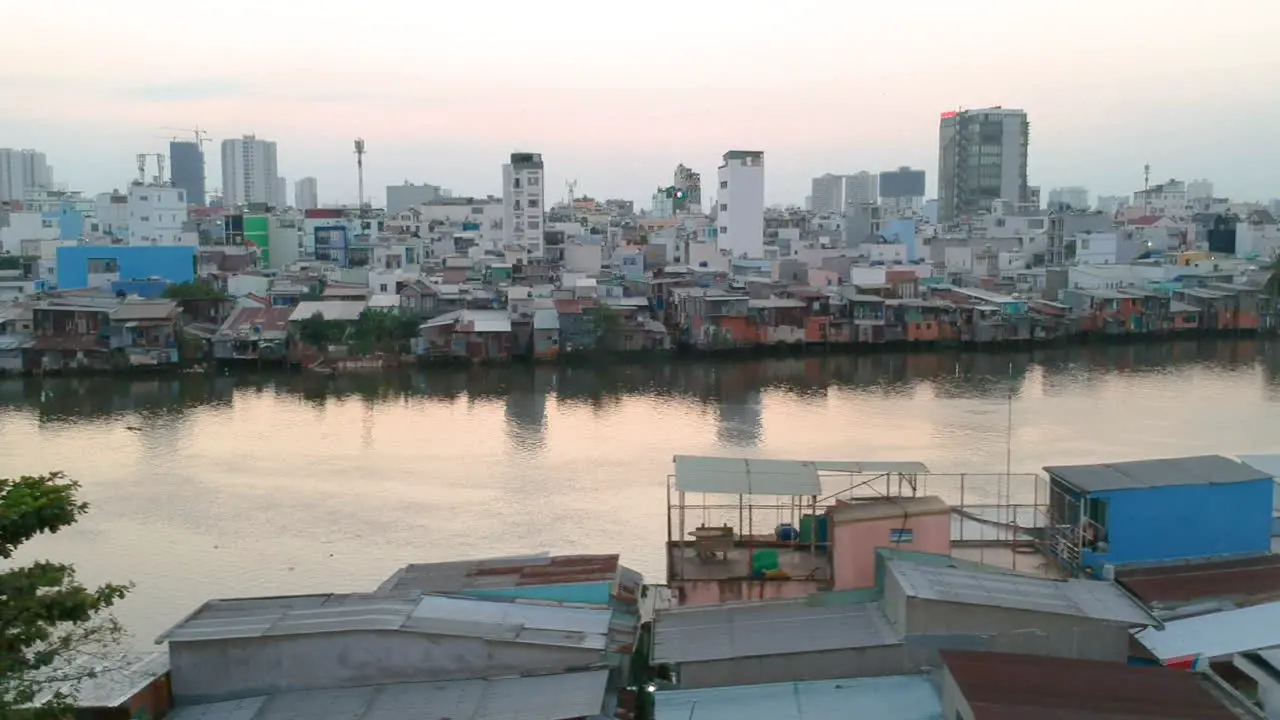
827 194
861 188
689 190
186 169
740 204
306 195
281 197
85 266
1063 199
23 170
250 172
1199 189
157 214
902 192
1258 235
1169 198
1112 204
982 157
524 211
403 197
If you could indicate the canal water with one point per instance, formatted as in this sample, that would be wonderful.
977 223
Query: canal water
219 486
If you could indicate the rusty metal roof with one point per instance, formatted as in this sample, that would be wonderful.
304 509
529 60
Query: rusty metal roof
1002 686
502 573
1256 578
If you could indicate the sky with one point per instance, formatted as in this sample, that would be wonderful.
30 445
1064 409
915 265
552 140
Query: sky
616 94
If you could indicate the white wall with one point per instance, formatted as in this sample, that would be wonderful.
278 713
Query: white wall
583 257
1096 248
156 215
26 226
885 252
740 206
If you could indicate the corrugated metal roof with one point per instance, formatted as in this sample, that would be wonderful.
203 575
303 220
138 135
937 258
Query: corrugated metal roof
1082 598
1257 577
766 628
482 321
1215 634
508 572
746 476
1267 464
1000 685
145 310
496 619
110 682
339 310
543 697
902 697
1198 470
889 508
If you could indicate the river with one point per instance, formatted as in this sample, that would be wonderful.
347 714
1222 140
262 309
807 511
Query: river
220 486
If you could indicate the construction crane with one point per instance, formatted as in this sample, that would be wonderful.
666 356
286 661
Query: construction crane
201 136
142 167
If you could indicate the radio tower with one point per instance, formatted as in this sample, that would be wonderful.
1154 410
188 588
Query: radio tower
360 171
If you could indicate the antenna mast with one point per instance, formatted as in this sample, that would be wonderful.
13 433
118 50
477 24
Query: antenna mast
360 171
1146 188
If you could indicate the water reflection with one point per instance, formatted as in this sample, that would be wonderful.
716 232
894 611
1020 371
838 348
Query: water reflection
733 388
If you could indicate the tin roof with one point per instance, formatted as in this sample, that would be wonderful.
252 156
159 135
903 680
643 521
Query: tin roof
756 629
1001 686
746 476
496 620
1198 470
889 508
1188 582
112 684
507 572
901 697
145 310
340 310
1093 599
546 697
546 319
1216 634
268 321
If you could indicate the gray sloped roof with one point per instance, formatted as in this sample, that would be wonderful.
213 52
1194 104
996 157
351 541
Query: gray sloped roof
1198 470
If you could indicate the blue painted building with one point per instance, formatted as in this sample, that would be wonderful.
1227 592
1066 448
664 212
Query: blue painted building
105 264
1157 511
902 232
68 219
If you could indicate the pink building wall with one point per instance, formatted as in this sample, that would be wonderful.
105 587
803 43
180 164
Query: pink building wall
858 531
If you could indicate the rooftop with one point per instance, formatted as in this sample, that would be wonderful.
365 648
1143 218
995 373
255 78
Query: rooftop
490 573
756 629
889 508
754 476
1000 686
339 310
901 697
501 621
1094 599
1214 635
1257 577
257 321
546 697
112 684
1198 470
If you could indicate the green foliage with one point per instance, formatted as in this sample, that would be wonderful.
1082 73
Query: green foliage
193 291
382 331
320 333
49 622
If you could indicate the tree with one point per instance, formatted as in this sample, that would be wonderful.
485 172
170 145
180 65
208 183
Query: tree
318 332
193 291
49 622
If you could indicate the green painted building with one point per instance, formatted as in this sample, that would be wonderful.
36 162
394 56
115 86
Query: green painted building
257 232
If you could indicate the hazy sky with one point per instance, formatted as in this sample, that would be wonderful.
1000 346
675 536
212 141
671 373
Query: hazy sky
615 94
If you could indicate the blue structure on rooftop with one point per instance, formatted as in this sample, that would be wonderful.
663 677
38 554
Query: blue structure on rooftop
903 697
1158 511
173 263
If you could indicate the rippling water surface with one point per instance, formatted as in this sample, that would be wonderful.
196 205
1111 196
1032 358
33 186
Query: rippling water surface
219 486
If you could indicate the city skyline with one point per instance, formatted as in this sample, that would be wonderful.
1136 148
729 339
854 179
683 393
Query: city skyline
616 116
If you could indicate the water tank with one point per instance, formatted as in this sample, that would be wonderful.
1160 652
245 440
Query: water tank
786 532
1109 572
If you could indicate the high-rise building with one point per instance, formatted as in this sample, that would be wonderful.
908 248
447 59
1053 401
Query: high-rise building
740 209
186 169
23 170
689 190
403 197
280 198
1068 198
306 194
249 172
523 185
861 188
902 183
982 157
827 194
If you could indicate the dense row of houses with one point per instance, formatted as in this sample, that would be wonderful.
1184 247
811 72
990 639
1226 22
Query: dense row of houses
1108 598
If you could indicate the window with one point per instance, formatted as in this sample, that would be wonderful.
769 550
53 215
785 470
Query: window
533 203
724 229
724 184
142 198
181 196
1084 243
46 224
904 535
515 184
477 210
382 287
724 207
145 218
533 224
534 181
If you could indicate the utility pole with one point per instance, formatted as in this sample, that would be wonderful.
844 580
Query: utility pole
360 173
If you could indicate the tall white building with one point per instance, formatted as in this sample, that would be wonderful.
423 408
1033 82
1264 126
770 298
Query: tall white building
740 208
827 194
280 198
249 172
1199 189
156 214
982 157
306 194
524 212
23 170
861 188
